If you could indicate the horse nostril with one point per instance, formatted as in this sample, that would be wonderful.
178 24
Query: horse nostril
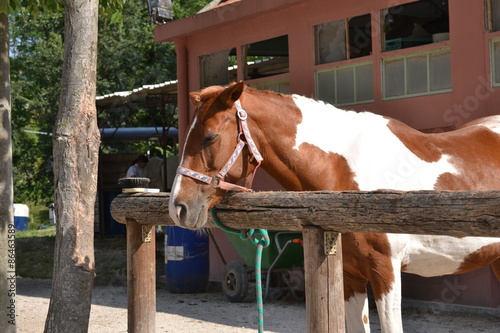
181 211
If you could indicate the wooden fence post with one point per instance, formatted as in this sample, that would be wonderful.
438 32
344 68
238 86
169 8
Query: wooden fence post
141 278
324 281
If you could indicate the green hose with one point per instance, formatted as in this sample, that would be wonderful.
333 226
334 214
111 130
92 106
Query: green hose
258 287
261 242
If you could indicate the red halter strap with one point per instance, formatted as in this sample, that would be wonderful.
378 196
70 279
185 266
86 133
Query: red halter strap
216 181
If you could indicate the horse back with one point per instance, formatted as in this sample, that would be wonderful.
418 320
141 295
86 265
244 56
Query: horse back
473 150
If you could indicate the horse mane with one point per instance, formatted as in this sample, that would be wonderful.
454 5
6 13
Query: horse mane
253 90
213 91
210 92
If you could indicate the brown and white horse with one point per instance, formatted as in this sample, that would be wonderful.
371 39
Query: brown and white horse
307 145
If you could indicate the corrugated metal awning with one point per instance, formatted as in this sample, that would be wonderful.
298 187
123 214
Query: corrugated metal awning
165 88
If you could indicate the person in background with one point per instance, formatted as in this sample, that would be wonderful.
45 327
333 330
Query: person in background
137 167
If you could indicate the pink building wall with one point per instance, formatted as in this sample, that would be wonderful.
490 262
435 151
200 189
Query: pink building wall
246 21
242 22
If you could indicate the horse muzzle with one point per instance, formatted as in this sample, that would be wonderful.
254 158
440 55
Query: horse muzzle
191 216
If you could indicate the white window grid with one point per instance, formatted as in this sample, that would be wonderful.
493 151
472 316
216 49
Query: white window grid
279 86
495 61
333 96
405 57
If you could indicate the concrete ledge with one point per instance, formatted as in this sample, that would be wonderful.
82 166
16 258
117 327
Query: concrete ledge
449 307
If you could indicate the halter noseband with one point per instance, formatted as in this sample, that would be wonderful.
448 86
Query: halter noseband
217 181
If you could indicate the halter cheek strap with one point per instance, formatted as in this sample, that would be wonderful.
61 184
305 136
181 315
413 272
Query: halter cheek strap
216 181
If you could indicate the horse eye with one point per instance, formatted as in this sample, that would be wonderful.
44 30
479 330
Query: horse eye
207 141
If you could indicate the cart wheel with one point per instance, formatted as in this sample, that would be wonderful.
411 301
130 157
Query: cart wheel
235 284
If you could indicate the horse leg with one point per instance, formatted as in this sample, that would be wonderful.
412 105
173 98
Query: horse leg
388 299
356 305
356 314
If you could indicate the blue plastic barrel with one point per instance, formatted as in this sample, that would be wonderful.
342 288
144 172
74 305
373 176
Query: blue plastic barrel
186 260
111 227
21 216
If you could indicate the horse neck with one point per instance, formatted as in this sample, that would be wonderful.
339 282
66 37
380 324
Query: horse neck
276 122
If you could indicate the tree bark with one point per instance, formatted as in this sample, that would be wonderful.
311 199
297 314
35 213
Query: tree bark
75 148
7 231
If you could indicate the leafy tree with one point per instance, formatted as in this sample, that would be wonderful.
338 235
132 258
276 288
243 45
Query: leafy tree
36 43
37 57
128 58
184 8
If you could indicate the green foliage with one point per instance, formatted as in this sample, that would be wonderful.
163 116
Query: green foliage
184 8
111 9
128 55
36 70
34 7
128 58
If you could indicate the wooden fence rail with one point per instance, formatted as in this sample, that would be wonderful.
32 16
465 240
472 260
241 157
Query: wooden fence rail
321 216
418 212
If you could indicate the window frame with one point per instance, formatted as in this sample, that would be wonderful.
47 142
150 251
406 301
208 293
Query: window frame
336 69
493 63
405 56
346 42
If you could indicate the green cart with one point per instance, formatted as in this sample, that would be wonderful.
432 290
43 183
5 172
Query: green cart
282 267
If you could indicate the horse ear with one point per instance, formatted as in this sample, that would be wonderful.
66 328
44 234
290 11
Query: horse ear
231 94
194 97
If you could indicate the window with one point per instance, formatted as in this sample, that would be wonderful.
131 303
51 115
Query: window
495 62
345 85
343 39
493 15
417 74
215 68
280 86
416 23
266 58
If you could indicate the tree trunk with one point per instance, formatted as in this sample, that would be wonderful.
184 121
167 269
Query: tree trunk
75 148
7 231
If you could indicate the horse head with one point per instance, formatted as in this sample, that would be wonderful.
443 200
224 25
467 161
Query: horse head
210 163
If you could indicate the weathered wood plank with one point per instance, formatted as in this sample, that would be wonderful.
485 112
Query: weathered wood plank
141 280
461 213
316 278
324 286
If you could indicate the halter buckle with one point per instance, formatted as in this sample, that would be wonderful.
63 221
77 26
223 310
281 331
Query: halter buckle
242 114
215 182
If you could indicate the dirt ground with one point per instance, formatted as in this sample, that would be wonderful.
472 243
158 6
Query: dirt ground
211 312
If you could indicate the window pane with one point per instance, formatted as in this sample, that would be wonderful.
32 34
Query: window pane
440 70
360 36
284 87
364 83
415 23
345 85
417 74
214 68
495 14
325 86
330 42
280 86
267 57
496 62
394 78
